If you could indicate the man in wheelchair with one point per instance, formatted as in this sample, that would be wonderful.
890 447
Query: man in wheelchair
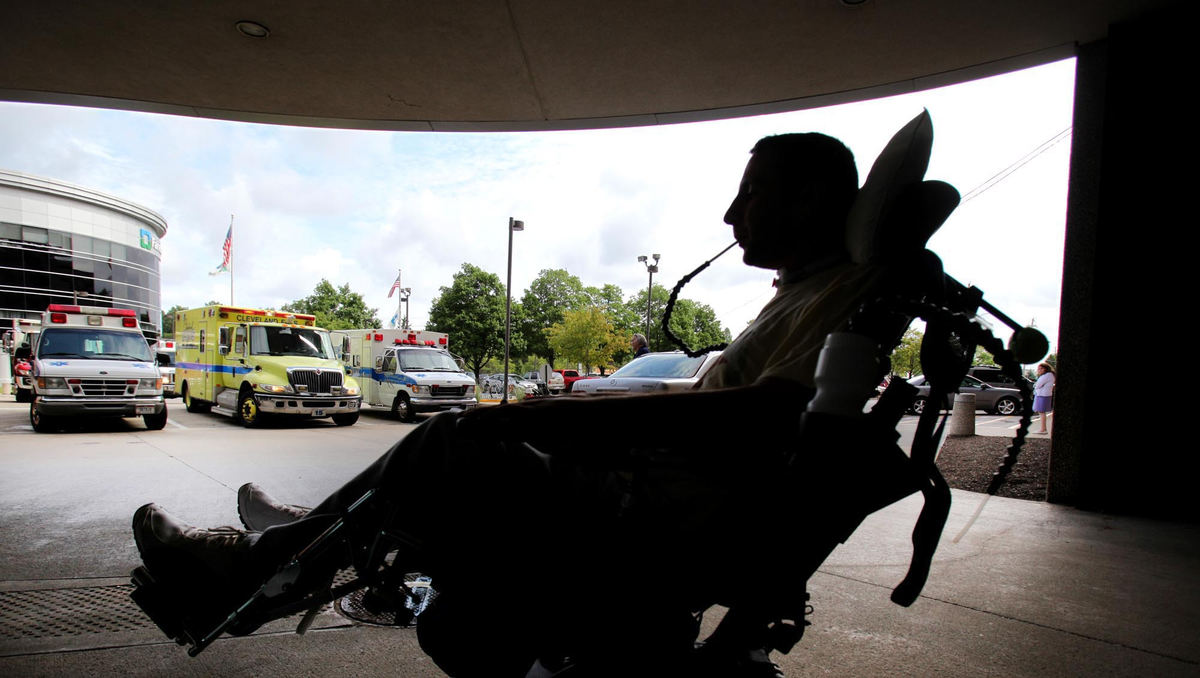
614 545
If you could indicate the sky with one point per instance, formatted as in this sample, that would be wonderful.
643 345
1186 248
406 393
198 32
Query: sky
358 206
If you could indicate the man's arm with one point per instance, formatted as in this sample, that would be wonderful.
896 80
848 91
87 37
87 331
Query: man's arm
681 418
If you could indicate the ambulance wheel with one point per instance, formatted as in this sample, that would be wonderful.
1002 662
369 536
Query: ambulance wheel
346 419
42 423
155 422
402 408
191 404
247 412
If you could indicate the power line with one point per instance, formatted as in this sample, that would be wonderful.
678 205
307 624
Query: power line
1004 173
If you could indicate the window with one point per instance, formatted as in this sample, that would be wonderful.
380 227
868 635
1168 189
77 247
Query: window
33 234
239 340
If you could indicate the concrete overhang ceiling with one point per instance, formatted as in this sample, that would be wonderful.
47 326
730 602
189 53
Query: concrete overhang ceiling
520 64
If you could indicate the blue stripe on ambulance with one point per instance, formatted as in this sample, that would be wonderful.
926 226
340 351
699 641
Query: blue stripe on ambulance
380 376
207 367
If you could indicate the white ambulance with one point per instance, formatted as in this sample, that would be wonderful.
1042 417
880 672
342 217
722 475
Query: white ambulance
91 361
407 371
164 355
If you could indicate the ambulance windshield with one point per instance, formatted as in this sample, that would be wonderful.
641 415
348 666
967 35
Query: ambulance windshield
301 341
92 343
427 360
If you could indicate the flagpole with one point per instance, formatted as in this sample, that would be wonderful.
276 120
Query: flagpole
231 260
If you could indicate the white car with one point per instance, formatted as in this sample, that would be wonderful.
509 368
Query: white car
651 373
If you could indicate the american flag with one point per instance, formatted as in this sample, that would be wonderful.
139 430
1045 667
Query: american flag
226 251
395 286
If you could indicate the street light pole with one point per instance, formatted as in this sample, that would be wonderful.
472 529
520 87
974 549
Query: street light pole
651 269
513 225
405 293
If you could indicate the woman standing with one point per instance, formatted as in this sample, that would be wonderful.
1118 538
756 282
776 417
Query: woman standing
1043 393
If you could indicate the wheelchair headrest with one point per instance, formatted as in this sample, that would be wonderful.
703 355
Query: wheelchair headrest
896 212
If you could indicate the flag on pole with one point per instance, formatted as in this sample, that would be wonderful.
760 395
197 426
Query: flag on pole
226 250
395 319
395 286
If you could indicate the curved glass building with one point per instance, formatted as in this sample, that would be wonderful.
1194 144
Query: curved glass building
65 244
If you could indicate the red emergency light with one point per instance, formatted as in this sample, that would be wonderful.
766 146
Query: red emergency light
58 313
441 340
378 337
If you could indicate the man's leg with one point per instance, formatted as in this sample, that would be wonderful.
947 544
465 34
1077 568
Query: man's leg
449 494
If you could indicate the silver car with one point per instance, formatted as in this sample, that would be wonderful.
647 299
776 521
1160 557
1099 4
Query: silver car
995 399
651 373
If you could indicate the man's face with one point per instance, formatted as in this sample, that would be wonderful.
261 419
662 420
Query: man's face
764 217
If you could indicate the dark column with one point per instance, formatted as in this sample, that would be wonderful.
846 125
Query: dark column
1123 438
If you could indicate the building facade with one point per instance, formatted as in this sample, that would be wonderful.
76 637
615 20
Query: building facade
65 244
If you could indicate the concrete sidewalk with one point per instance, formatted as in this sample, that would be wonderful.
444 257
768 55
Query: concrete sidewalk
1031 590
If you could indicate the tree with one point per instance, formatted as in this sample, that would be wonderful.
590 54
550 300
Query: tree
585 336
336 308
906 358
549 295
168 320
624 321
471 310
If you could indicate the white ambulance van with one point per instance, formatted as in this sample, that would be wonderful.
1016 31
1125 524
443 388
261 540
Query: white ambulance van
164 355
407 371
92 361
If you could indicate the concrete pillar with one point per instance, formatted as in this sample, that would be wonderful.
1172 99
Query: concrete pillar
962 417
1127 276
5 374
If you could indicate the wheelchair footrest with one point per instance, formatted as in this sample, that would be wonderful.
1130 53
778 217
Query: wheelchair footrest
162 606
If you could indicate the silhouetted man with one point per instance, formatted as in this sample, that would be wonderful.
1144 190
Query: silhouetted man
480 514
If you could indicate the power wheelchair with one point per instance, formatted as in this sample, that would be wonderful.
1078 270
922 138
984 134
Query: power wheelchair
843 465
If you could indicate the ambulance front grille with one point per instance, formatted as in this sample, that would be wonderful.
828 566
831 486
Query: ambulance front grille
315 381
103 387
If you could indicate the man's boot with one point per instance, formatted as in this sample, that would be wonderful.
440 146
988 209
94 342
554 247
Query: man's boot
193 578
259 510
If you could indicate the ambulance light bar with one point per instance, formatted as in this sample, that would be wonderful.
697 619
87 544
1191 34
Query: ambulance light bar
58 313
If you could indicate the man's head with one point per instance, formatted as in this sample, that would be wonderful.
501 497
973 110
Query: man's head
791 207
637 341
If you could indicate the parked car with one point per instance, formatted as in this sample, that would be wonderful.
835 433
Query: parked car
996 399
992 375
530 386
570 377
542 387
651 373
517 387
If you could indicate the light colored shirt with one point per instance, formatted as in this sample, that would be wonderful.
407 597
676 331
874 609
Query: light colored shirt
785 339
1044 386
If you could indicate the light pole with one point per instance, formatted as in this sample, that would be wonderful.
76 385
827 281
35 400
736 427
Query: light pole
405 293
651 269
513 225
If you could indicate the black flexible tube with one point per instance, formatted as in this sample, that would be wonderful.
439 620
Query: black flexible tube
666 320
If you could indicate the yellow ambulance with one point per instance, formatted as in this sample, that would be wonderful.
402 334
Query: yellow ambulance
250 364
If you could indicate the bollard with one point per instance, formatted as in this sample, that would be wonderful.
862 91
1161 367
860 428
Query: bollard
962 419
